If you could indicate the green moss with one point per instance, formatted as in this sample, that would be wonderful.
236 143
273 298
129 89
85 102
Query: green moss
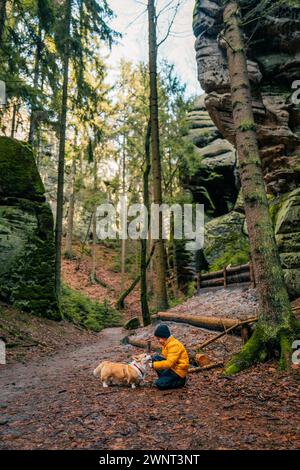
236 251
247 126
286 350
256 198
19 176
79 309
268 340
27 249
132 324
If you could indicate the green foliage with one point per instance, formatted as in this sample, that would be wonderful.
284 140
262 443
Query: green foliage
233 255
79 309
18 174
247 126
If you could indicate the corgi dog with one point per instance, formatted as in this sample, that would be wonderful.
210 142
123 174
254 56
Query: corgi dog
129 374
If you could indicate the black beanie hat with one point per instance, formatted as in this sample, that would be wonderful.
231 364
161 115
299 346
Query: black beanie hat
162 331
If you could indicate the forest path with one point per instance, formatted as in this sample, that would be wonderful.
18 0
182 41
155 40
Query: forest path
56 403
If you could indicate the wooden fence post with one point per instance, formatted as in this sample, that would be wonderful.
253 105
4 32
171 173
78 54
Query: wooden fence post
198 281
252 276
225 277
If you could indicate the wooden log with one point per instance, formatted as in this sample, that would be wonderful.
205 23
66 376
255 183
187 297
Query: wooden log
210 323
235 279
238 324
232 270
139 343
212 275
238 269
208 367
218 282
232 279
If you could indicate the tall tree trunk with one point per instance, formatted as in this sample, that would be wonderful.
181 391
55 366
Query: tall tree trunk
2 18
38 55
13 121
123 241
173 256
69 236
275 328
62 144
121 300
93 275
162 297
144 290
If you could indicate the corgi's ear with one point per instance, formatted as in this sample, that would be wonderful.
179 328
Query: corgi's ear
135 358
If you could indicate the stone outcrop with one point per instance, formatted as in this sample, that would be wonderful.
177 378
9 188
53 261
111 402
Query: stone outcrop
26 233
214 183
274 66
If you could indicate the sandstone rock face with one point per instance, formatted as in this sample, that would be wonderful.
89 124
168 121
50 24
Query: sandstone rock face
26 233
214 184
274 50
287 233
225 241
274 66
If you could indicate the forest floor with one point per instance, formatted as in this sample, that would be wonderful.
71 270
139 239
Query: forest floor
49 398
108 273
55 402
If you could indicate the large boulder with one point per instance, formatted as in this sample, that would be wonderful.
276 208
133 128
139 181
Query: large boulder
26 233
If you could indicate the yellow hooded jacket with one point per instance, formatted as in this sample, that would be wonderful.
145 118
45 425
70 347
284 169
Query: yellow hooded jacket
177 358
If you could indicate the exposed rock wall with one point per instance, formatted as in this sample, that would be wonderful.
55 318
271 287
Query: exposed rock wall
274 65
216 185
26 233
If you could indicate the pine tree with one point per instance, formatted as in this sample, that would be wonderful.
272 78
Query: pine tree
276 326
162 296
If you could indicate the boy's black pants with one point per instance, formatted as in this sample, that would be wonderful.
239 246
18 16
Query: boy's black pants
167 378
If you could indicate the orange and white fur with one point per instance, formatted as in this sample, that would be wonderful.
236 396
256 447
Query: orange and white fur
116 372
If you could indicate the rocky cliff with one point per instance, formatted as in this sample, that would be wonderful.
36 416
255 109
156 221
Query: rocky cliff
215 184
26 233
274 65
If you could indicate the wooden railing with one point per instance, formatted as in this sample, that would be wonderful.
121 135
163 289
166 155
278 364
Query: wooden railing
227 276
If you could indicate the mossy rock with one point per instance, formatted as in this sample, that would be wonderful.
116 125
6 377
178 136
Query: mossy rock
224 242
27 258
288 242
19 176
292 280
27 252
290 260
288 216
132 324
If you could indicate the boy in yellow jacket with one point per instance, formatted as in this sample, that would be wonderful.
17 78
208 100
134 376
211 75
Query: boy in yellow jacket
172 367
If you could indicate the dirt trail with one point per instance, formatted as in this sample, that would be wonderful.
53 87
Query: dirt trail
41 374
56 403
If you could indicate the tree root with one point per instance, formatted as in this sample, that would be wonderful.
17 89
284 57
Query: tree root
266 342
